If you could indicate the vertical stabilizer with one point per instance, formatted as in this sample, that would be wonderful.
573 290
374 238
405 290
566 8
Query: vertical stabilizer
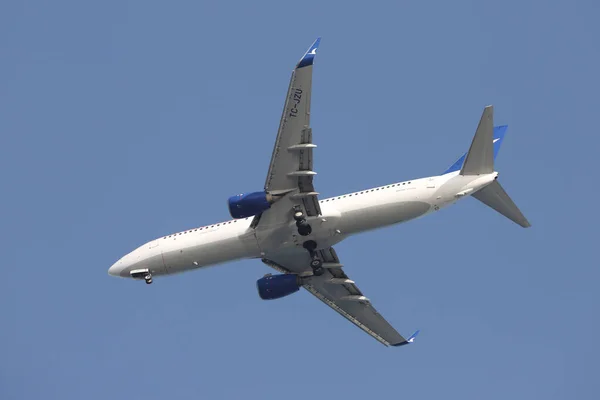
480 158
499 132
494 196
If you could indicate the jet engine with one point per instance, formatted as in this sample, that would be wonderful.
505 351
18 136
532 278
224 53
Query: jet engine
272 287
249 204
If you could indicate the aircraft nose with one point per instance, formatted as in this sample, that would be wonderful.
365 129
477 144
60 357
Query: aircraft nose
116 268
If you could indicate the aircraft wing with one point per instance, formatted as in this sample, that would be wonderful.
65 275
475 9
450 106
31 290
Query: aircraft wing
291 168
335 289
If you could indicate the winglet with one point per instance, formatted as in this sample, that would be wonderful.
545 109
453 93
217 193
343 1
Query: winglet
409 340
309 57
413 336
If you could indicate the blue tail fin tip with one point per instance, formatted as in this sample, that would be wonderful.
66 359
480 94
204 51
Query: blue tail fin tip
499 132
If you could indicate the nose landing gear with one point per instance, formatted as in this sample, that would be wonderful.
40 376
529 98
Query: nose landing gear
316 263
142 273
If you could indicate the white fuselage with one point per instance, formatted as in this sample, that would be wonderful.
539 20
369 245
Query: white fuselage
341 216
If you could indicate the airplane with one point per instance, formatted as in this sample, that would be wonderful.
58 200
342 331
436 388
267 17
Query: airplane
290 229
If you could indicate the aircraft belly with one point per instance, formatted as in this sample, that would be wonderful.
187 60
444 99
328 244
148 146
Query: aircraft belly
286 236
211 251
379 215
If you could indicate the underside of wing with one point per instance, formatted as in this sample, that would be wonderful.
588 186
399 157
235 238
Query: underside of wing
291 168
339 292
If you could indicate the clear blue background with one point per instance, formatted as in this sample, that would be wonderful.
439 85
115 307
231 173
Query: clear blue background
122 121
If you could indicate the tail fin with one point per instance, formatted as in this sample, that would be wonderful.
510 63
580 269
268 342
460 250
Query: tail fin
484 147
480 160
494 196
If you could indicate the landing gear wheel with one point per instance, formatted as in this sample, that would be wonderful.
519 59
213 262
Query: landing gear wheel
304 229
148 279
310 246
315 262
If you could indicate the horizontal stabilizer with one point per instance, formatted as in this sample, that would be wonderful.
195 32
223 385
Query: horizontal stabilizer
494 196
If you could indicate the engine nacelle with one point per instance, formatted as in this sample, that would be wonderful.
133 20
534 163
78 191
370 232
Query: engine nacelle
277 286
249 204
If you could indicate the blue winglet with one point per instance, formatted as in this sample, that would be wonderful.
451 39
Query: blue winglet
409 340
499 132
413 336
309 57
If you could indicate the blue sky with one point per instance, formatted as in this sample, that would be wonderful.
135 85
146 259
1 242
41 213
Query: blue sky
122 121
